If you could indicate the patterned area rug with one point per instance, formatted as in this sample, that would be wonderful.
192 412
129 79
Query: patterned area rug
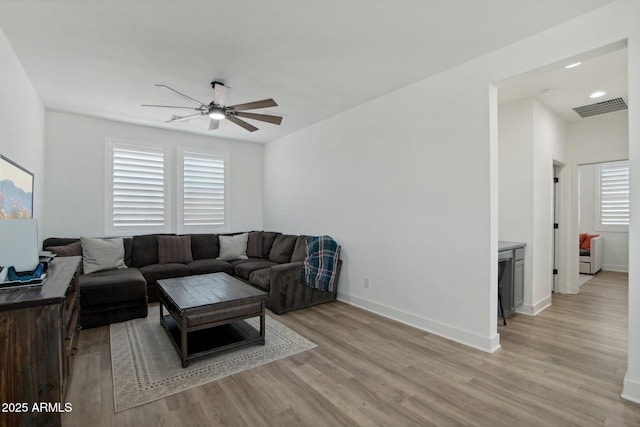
146 365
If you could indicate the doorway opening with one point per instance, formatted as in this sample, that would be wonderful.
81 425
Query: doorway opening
603 217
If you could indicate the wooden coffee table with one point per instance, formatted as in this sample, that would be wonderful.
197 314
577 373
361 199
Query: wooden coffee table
206 314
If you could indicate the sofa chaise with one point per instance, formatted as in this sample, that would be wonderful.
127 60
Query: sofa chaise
273 263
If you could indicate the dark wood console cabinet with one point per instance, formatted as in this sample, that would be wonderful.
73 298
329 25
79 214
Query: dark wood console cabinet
38 338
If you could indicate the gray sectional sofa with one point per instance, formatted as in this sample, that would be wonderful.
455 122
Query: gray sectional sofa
274 264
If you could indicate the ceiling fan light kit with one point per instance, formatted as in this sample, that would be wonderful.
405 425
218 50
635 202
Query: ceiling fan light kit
216 113
218 110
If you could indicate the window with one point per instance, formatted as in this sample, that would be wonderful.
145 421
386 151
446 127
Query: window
141 183
613 196
202 191
136 196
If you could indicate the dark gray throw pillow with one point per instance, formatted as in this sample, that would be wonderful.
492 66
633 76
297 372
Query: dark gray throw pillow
254 244
174 249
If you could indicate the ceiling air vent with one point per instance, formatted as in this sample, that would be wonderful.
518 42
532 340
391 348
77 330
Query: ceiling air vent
604 107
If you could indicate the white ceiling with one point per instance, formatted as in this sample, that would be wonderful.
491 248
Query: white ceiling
315 58
563 89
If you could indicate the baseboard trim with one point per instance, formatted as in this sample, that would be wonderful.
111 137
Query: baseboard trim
631 390
535 309
619 268
485 344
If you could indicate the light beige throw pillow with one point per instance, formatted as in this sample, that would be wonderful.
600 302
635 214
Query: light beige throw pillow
102 254
233 247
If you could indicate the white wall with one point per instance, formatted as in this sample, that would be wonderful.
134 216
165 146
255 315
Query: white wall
631 388
398 195
602 138
411 198
22 124
530 138
549 140
515 181
75 203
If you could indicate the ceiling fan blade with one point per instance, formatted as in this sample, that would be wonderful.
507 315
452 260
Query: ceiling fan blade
179 118
220 93
167 106
242 123
213 124
276 120
265 103
183 95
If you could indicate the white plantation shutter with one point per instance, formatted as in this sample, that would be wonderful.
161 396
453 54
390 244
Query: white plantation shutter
614 194
138 198
203 191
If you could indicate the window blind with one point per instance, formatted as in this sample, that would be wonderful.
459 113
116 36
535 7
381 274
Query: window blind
203 190
614 194
138 196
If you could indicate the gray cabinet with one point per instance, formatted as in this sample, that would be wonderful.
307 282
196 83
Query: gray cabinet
513 279
518 278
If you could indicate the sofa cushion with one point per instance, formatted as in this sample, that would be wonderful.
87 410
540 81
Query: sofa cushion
155 272
282 248
246 268
261 278
206 266
53 242
205 246
268 237
254 244
102 254
58 241
113 286
233 247
242 261
174 249
102 315
144 250
300 249
71 249
128 249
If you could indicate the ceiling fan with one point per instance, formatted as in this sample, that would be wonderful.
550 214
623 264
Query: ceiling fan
217 110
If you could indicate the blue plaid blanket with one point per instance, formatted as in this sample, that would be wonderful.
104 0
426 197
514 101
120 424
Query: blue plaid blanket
321 264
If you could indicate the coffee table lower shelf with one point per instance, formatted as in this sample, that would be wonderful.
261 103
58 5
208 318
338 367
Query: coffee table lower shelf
212 340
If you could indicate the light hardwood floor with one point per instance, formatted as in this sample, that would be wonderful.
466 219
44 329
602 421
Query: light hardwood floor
563 367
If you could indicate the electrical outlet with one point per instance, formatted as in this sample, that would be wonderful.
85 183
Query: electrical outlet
367 284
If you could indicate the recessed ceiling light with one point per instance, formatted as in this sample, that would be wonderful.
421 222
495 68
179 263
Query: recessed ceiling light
575 64
597 94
